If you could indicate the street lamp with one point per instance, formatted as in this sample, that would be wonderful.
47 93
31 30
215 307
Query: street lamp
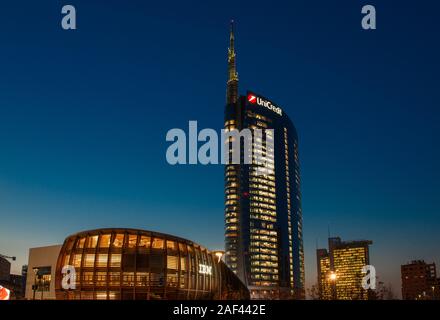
333 277
219 254
6 257
35 282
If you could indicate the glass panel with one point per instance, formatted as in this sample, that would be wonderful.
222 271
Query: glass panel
114 295
132 239
182 280
172 262
77 279
89 260
92 241
101 260
77 260
115 260
81 243
118 241
87 279
144 242
172 280
142 279
128 279
114 279
105 241
182 264
101 295
100 279
87 295
158 243
66 260
171 245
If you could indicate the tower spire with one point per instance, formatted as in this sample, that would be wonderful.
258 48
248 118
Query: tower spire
232 89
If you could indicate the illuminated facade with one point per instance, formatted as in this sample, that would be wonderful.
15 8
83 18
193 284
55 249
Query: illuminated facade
340 270
263 217
324 273
129 264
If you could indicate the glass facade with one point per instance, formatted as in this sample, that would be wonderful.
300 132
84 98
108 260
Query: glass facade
128 264
340 270
263 217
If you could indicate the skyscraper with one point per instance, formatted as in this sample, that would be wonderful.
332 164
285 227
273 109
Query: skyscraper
263 217
340 269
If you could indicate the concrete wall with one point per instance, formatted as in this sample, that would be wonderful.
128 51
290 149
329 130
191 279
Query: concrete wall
42 257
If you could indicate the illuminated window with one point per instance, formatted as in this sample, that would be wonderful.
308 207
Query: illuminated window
172 280
114 278
142 279
87 279
89 260
66 260
182 248
77 260
172 262
92 242
105 241
132 239
115 260
113 295
128 279
182 264
100 279
81 243
144 242
101 295
171 245
118 241
101 260
157 243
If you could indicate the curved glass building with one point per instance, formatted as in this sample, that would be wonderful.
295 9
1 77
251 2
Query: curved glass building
130 264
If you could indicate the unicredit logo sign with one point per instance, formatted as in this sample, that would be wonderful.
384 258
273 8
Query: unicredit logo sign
254 99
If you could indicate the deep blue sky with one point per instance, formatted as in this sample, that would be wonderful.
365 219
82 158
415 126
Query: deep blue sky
84 114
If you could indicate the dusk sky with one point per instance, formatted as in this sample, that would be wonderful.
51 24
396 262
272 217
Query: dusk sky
84 115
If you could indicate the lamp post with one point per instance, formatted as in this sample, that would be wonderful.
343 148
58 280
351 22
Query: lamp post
7 257
219 254
35 282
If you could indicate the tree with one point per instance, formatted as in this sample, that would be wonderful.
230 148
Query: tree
313 292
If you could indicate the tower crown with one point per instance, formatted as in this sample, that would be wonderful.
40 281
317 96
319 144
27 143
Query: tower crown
232 84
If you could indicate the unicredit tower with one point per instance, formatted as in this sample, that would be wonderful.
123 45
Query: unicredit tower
263 217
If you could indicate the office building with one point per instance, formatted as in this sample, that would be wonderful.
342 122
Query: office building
263 217
340 269
40 273
419 281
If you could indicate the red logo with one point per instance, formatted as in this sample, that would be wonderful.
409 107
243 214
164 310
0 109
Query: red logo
252 99
4 293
